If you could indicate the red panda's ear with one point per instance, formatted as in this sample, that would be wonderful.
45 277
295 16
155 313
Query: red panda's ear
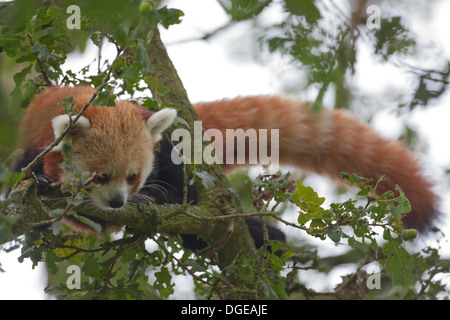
61 122
160 121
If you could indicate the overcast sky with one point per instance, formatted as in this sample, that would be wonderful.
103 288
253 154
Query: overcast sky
209 72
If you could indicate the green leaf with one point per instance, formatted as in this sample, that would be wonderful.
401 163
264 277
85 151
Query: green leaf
66 147
97 80
306 195
334 234
243 9
136 270
178 119
399 263
306 8
50 260
309 203
268 290
159 89
142 55
279 287
122 32
169 16
163 282
432 84
393 38
195 265
56 213
105 98
17 98
42 53
403 202
206 178
356 244
92 267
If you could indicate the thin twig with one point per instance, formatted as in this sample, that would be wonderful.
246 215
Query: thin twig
180 263
245 215
205 37
39 62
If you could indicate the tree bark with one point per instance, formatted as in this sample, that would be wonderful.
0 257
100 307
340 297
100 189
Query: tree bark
221 199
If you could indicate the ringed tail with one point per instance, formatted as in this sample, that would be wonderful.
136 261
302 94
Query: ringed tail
327 142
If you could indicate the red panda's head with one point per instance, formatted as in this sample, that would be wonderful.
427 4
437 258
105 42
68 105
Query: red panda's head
115 145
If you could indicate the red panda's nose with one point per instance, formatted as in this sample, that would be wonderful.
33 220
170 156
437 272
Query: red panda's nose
117 202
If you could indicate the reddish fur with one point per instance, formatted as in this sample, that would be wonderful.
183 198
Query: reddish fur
51 164
37 131
113 129
36 127
328 143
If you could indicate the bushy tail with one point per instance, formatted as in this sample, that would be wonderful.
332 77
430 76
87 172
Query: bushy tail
328 142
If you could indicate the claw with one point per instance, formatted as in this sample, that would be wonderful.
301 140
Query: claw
43 183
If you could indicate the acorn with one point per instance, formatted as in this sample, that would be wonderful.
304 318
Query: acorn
145 7
409 234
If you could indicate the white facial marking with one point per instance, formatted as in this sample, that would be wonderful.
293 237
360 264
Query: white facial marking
111 196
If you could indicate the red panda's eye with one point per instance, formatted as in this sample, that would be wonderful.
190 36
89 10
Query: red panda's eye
131 177
101 178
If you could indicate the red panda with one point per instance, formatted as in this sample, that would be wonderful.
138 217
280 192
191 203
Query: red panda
116 145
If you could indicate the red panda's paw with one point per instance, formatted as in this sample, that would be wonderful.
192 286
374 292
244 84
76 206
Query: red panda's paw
80 227
43 183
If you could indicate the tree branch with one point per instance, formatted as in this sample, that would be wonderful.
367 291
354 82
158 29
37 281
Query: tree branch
30 211
220 199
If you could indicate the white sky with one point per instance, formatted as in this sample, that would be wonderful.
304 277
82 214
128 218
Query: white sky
209 72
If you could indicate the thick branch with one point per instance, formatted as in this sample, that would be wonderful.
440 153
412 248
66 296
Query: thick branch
220 197
31 212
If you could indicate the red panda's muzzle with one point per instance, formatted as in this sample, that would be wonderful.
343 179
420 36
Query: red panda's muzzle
117 202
